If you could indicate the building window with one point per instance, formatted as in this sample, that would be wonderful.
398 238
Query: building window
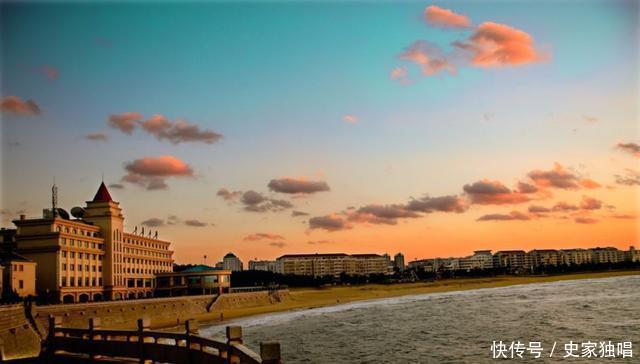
21 284
73 254
64 267
99 268
64 281
79 267
21 268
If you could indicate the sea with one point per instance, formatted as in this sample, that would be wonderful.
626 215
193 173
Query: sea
578 321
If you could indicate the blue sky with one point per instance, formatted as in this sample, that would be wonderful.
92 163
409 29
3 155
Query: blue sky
277 78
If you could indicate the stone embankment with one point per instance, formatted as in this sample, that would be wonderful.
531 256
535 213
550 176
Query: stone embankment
22 339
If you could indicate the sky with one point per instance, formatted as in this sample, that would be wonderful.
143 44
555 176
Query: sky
269 128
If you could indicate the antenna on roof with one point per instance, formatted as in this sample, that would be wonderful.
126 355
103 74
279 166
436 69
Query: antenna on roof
102 177
54 199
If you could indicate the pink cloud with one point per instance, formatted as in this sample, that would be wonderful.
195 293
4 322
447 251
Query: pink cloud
352 119
429 57
445 18
179 131
496 45
16 106
125 122
400 74
152 173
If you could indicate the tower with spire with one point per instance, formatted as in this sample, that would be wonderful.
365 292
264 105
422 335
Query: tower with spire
106 213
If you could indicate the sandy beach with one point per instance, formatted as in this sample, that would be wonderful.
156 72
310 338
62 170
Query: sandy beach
305 298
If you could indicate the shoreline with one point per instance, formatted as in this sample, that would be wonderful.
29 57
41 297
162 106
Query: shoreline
311 298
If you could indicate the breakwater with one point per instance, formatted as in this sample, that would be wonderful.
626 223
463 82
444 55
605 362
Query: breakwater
21 336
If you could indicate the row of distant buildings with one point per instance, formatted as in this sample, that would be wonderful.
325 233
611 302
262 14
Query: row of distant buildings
332 264
519 260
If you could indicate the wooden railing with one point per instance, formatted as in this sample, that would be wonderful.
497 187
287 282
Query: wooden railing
66 344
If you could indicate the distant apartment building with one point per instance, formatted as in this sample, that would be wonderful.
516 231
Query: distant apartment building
481 259
398 261
263 265
633 255
575 256
232 263
607 255
510 259
422 264
543 258
91 257
435 264
332 264
18 274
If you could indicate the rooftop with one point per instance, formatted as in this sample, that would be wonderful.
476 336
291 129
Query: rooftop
103 194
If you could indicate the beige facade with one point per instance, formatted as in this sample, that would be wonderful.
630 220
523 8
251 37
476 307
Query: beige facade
332 264
575 256
18 274
91 258
543 257
481 259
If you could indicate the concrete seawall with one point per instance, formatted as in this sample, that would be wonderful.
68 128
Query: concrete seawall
17 338
22 340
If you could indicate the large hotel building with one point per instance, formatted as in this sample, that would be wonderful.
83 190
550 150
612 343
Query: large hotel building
91 257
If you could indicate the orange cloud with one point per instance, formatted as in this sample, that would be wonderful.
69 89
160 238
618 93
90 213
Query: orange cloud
446 18
350 119
16 106
496 45
152 173
487 192
429 57
263 236
559 177
400 74
125 122
590 203
585 220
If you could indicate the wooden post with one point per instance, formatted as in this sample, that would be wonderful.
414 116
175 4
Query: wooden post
54 322
143 325
234 336
2 358
94 324
187 339
270 352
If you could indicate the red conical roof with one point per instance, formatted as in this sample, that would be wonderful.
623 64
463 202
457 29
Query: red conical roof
102 195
